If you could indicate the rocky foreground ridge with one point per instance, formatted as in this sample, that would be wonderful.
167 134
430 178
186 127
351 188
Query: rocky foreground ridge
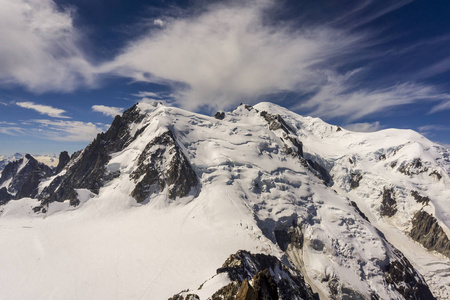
311 210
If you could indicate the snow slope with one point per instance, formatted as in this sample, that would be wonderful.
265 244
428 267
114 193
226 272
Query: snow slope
250 189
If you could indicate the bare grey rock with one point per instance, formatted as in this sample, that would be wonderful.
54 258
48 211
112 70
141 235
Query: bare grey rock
25 175
388 205
405 279
427 231
64 159
355 178
179 177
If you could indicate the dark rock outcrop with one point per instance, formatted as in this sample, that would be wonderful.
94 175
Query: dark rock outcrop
276 122
413 168
243 267
24 175
388 204
289 236
220 115
420 199
319 171
436 175
5 196
89 170
264 288
427 231
405 279
338 291
186 297
296 150
353 203
64 158
355 178
155 172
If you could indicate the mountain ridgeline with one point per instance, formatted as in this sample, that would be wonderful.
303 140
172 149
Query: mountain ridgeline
321 212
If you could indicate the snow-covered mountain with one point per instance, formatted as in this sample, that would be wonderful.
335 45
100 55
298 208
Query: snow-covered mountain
50 160
257 202
22 177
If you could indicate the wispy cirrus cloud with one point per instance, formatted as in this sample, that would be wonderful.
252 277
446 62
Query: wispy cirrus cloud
70 131
110 111
12 130
57 130
363 127
44 109
340 96
445 105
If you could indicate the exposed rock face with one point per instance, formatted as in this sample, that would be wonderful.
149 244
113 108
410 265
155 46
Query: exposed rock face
64 158
296 150
353 203
421 199
426 230
276 122
290 236
24 175
405 279
5 196
89 170
342 292
355 178
319 171
388 205
187 297
162 164
413 168
436 175
220 115
261 269
264 287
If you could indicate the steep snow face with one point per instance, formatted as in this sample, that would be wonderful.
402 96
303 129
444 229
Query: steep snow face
253 190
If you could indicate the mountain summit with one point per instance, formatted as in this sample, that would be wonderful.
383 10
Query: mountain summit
256 203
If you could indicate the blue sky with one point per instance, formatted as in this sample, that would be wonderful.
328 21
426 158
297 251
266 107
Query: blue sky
68 66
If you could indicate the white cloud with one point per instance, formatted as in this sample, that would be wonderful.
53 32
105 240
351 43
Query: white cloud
71 131
58 130
12 130
445 105
430 130
159 22
363 127
227 55
7 123
44 109
108 110
433 128
39 47
440 67
143 94
340 96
